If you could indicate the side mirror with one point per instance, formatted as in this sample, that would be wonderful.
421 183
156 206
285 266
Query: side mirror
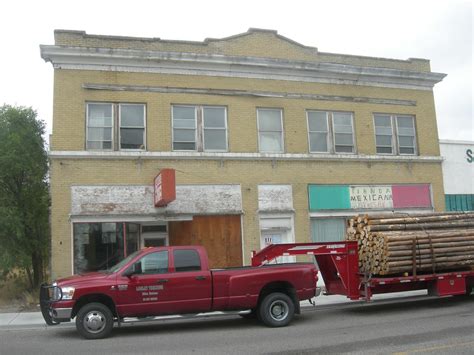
133 270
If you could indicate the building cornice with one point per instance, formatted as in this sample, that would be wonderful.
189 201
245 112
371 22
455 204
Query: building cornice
182 63
121 155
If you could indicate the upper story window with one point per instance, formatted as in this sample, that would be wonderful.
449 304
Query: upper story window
270 130
115 126
330 132
199 128
395 134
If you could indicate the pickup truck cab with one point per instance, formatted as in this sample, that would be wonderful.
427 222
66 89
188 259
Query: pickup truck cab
175 280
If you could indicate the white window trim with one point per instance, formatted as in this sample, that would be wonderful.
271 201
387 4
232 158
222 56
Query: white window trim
392 139
119 135
116 126
331 134
334 133
395 136
328 143
195 129
415 148
213 128
112 127
199 129
282 132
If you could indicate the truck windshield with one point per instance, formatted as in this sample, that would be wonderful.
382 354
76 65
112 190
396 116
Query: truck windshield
119 265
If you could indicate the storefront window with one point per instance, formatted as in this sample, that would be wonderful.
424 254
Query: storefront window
98 246
328 229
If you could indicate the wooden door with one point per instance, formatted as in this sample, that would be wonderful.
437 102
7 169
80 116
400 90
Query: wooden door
220 235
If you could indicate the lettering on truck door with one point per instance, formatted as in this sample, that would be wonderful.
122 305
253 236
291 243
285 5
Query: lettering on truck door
145 292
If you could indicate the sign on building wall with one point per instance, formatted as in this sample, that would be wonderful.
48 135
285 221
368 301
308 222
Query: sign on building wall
165 187
458 167
377 197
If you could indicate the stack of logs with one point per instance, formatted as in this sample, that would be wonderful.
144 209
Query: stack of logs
410 244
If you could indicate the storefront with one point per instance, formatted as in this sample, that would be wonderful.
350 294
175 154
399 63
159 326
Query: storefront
110 222
331 205
276 216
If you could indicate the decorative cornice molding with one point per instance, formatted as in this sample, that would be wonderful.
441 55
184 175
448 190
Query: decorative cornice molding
253 93
129 60
122 155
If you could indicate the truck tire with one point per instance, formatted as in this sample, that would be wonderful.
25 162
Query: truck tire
276 310
94 321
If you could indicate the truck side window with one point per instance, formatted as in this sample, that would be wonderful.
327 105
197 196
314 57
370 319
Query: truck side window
155 263
186 260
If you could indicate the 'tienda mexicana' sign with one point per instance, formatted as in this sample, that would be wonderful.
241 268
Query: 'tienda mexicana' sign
379 197
165 187
361 197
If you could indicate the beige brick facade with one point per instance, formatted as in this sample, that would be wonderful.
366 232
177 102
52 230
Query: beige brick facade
72 165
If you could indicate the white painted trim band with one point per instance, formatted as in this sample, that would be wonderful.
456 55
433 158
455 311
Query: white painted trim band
113 155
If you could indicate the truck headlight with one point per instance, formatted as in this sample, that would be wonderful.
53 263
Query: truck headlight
68 292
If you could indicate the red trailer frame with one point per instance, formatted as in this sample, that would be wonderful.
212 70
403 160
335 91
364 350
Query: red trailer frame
338 263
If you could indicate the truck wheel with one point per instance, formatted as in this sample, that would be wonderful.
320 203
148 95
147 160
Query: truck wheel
276 310
94 321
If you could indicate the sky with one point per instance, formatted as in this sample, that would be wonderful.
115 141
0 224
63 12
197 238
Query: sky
440 31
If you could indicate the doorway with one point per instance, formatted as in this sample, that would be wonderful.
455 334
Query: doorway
154 236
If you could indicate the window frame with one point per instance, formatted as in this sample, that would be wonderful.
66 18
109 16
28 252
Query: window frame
199 128
194 268
143 259
119 133
282 134
111 127
395 135
328 132
204 129
331 132
392 141
116 126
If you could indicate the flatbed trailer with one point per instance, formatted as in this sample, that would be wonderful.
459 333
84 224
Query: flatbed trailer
338 263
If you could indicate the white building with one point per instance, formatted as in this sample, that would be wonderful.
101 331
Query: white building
458 174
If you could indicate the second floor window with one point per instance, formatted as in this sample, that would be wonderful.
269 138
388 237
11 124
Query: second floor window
115 126
395 134
199 128
270 130
330 132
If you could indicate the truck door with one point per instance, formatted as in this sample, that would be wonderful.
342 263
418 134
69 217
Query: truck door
190 285
145 292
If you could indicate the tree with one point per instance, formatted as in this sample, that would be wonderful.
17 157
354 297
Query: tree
24 193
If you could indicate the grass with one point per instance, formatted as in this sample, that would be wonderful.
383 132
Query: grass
15 295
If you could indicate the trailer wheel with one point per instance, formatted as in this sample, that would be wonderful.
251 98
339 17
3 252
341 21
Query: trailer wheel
94 321
276 310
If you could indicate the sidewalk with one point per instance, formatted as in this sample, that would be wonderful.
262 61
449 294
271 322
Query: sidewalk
36 319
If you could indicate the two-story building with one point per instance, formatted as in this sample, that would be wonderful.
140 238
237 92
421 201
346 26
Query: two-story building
271 141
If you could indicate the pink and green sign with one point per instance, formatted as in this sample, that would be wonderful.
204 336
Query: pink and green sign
379 197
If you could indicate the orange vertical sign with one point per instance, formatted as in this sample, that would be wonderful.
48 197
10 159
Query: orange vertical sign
165 187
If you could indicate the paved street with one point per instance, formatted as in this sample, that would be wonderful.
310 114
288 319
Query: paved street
432 326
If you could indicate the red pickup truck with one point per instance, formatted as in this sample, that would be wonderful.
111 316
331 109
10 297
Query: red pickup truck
175 280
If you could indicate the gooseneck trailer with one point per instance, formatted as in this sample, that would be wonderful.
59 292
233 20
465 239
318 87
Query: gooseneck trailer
177 280
338 263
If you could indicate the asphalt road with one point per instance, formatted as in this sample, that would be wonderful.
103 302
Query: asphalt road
433 326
